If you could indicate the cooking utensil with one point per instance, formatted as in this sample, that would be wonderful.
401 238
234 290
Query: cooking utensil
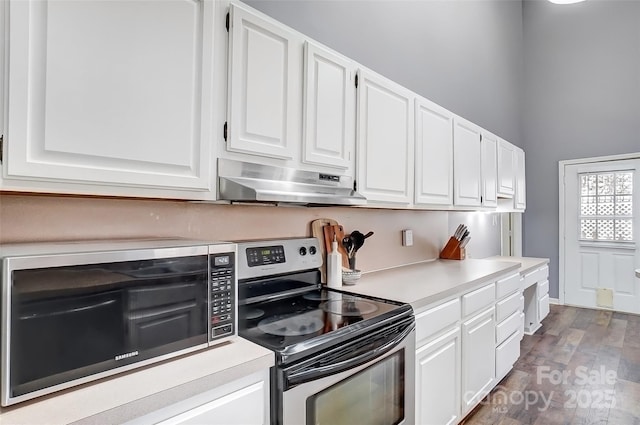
458 230
358 239
464 235
464 242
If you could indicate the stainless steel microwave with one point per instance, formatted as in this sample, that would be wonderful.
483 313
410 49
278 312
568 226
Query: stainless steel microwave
76 312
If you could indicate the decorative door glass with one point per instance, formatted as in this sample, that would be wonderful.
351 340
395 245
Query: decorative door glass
606 206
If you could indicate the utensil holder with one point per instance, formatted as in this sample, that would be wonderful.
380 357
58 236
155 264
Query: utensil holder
452 250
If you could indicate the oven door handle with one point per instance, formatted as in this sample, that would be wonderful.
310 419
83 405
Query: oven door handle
311 373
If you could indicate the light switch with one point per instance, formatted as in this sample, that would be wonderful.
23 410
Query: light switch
407 237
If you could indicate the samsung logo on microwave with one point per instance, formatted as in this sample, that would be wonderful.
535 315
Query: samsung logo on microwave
127 355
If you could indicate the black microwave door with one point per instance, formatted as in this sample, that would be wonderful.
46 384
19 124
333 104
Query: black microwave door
54 339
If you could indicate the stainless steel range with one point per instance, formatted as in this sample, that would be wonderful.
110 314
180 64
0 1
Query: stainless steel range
340 358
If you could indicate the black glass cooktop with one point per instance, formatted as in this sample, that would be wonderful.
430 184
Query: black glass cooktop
310 320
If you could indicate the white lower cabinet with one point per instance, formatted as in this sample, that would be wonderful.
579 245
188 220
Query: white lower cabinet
478 357
507 353
438 380
241 402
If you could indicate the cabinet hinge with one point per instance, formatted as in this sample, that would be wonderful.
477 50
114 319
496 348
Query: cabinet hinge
226 22
225 131
356 80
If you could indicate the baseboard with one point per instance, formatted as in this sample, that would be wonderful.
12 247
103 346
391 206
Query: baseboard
555 301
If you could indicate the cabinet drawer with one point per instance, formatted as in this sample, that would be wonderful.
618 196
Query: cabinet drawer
508 306
521 325
507 327
478 299
536 276
507 354
543 307
507 285
437 318
543 288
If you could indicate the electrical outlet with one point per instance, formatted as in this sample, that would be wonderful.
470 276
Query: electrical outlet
407 237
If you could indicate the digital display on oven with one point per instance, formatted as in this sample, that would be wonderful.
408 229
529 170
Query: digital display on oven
264 255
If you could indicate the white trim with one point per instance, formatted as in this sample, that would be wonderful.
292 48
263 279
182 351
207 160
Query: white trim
555 301
561 199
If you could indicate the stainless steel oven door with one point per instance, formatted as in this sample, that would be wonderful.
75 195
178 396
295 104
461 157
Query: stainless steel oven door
380 391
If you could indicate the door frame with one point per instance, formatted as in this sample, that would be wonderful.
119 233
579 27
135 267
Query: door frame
561 199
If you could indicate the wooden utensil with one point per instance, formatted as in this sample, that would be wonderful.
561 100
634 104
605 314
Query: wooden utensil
338 231
317 231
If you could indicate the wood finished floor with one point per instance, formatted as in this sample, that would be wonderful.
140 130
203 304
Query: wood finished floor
599 353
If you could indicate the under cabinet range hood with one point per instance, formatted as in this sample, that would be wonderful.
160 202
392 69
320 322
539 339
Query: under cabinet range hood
249 182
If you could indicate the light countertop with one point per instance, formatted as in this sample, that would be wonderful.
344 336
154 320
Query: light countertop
527 264
125 396
424 283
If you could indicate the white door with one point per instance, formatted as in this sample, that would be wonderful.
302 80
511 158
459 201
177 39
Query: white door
434 154
438 380
478 358
489 164
329 109
466 163
506 164
601 228
385 140
101 91
265 87
520 201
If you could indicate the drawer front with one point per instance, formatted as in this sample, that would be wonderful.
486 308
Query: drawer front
437 318
478 299
521 325
508 306
521 302
536 276
507 354
543 307
543 289
507 327
507 285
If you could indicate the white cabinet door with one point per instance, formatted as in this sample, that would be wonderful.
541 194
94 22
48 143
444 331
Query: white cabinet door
489 164
434 154
438 380
329 108
506 168
478 358
385 140
265 88
116 93
520 195
467 175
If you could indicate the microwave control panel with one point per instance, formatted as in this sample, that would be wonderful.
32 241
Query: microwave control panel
223 295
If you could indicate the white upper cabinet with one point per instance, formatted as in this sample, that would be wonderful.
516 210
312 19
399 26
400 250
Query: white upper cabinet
520 202
329 108
110 93
489 164
467 175
506 168
433 153
385 133
265 88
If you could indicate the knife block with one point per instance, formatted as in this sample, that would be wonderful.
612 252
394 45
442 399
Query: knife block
452 250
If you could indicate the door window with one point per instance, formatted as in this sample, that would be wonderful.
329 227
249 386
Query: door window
606 206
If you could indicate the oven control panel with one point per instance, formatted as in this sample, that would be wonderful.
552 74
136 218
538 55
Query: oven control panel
260 256
223 295
263 258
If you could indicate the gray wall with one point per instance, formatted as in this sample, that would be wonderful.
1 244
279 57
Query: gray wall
464 55
581 99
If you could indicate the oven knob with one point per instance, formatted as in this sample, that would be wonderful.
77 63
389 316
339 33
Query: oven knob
303 251
312 250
